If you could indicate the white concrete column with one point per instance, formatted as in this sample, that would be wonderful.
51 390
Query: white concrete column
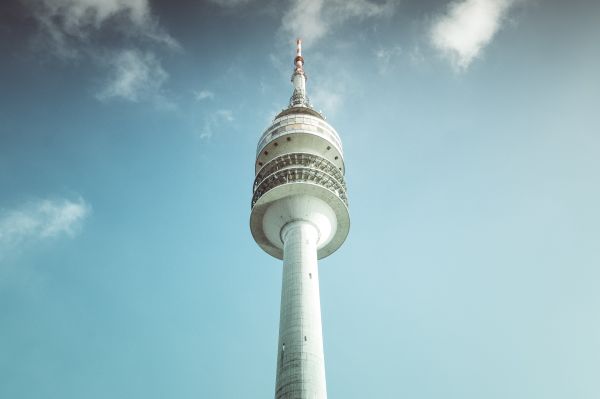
300 360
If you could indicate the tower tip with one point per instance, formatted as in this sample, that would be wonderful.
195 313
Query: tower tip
299 60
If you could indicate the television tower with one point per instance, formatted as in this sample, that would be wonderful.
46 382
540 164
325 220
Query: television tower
300 214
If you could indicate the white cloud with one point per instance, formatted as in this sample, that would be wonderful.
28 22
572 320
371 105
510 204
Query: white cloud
416 56
304 19
77 29
332 90
386 56
204 94
40 220
68 25
466 28
327 101
313 19
215 121
225 114
229 3
135 76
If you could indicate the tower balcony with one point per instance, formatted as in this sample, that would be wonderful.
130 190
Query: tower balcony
295 186
300 168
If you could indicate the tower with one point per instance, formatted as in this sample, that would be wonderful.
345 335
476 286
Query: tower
300 214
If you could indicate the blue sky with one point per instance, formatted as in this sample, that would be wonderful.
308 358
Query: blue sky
472 141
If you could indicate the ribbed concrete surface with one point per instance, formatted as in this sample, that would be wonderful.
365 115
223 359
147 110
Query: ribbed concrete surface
300 360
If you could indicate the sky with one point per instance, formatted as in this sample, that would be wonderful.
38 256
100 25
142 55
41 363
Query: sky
128 131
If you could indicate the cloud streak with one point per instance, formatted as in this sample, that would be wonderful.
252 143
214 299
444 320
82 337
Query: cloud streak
69 25
215 121
386 56
74 29
466 28
41 220
204 95
230 3
135 76
313 19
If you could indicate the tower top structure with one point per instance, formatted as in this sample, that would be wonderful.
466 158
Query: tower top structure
299 154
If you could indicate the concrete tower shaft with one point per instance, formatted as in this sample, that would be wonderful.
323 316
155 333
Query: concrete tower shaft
300 360
300 214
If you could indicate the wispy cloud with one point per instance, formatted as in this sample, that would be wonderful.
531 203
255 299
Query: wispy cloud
215 121
204 95
326 100
135 75
230 3
416 56
332 90
68 26
466 27
305 19
41 220
313 19
385 56
77 29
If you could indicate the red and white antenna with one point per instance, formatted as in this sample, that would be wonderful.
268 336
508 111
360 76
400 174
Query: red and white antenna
299 97
299 61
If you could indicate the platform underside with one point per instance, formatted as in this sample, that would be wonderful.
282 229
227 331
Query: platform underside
300 188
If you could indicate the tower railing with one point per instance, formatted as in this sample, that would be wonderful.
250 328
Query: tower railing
299 159
300 175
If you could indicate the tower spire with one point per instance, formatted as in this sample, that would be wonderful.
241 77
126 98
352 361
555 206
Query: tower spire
299 61
299 97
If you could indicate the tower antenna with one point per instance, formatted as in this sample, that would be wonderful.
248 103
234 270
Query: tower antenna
299 61
299 97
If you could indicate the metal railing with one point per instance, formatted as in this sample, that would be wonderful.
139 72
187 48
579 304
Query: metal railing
299 159
300 175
